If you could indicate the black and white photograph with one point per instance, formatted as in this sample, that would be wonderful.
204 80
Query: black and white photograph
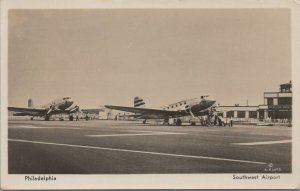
150 91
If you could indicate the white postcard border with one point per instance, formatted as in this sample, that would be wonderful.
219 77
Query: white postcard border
154 181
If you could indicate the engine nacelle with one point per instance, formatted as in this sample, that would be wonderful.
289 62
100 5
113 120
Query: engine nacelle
188 109
74 109
206 112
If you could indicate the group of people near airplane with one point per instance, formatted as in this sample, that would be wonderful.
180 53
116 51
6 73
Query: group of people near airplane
216 120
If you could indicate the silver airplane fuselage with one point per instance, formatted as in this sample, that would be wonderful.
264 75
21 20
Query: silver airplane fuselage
61 104
195 106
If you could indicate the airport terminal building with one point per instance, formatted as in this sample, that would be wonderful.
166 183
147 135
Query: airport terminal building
277 107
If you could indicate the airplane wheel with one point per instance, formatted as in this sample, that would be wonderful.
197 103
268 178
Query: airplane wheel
166 122
178 122
47 118
31 118
71 118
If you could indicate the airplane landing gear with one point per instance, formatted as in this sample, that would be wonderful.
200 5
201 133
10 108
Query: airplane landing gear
31 118
178 122
47 118
193 123
61 118
71 118
166 121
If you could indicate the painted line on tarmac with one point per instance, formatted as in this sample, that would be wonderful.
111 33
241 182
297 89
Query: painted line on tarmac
140 152
264 142
140 131
136 134
23 126
38 127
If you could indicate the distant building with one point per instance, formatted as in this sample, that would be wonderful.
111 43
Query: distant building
277 105
248 112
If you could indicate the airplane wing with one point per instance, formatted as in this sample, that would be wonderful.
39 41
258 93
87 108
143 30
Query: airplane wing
148 112
69 110
40 111
91 110
28 111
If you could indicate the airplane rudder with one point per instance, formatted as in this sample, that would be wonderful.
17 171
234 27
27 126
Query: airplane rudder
30 103
138 102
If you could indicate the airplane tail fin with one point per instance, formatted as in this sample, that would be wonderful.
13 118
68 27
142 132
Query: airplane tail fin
138 102
30 103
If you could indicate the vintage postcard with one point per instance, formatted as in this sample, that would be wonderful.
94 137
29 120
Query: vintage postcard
150 94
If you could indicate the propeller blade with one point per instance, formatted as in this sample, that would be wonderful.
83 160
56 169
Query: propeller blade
50 109
75 109
190 111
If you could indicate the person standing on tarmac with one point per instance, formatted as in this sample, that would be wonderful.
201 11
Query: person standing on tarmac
215 120
231 121
219 121
201 121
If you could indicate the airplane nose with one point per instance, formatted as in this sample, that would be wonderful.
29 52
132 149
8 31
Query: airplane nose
71 101
210 101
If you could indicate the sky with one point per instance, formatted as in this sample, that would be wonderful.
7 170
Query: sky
109 56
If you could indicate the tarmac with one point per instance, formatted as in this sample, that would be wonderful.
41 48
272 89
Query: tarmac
130 147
